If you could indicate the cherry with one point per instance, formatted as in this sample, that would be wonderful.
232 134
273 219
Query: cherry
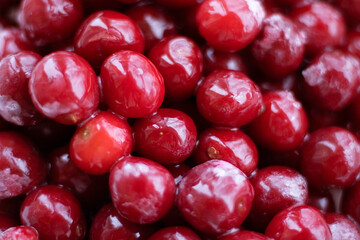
229 145
352 44
329 158
132 85
341 227
13 40
298 223
228 98
180 62
109 224
175 233
49 21
178 171
21 167
215 197
351 9
351 201
104 33
100 142
176 3
229 25
322 200
6 222
245 235
20 233
142 191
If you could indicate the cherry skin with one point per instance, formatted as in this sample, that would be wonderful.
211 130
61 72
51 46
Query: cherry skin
229 25
21 167
168 136
341 227
54 212
352 44
329 158
12 41
175 233
132 85
245 235
104 33
321 200
351 201
49 21
6 222
100 142
228 98
298 223
282 125
276 188
20 233
142 191
180 62
108 224
215 197
331 80
176 3
15 102
63 87
351 9
229 145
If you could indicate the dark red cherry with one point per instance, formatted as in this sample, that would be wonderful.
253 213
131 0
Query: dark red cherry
215 197
54 212
63 87
20 233
299 223
329 158
229 25
176 3
178 171
175 233
168 136
229 145
142 191
180 62
132 85
12 41
351 10
322 200
108 224
49 21
341 227
104 33
351 201
245 235
6 222
352 44
228 98
21 167
15 102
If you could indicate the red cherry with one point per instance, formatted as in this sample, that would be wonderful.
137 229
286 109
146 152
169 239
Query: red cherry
322 200
353 43
341 227
20 233
12 41
6 222
351 201
245 235
351 9
175 233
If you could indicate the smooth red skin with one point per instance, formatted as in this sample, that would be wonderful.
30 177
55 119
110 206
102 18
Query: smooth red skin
351 201
282 125
175 233
299 223
21 167
168 136
178 171
217 60
323 25
54 212
6 222
330 158
15 102
49 21
229 145
20 233
229 25
64 87
155 24
176 3
341 227
91 190
100 142
331 80
322 201
245 235
108 224
276 188
215 197
142 191
352 44
180 62
228 98
280 46
104 33
132 85
13 40
351 9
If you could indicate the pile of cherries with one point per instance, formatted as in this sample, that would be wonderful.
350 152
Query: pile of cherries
179 119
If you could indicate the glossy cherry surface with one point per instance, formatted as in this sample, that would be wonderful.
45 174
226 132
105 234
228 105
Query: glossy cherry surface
228 98
175 233
104 33
12 41
20 233
245 235
351 201
142 191
229 145
132 85
108 224
100 142
215 197
298 223
180 62
21 167
282 124
49 21
352 44
341 227
329 158
229 25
